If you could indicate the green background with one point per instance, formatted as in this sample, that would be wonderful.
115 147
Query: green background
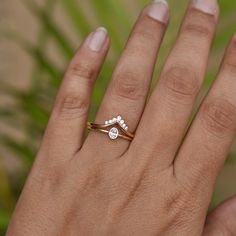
29 112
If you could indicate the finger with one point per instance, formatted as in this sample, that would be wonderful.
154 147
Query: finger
64 134
130 82
211 135
222 221
165 118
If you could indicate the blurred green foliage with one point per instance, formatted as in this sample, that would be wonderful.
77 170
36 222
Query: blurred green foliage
30 111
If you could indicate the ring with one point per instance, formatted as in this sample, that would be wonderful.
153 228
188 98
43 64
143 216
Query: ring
115 128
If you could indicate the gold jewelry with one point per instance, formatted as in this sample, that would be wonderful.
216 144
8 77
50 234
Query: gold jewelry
117 126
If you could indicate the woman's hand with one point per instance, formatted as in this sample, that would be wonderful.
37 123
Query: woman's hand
161 183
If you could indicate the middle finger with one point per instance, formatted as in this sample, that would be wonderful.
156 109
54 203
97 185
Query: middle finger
166 116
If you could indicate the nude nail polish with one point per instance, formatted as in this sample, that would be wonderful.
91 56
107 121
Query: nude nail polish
159 10
207 6
97 39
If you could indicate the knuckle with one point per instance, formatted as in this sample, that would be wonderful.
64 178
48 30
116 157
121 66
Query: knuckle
199 23
72 106
219 116
83 70
181 83
197 30
128 85
144 34
180 204
178 200
90 181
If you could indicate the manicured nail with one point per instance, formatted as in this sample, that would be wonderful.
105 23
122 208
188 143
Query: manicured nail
207 6
159 10
97 39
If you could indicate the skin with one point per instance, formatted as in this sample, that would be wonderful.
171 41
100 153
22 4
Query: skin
161 183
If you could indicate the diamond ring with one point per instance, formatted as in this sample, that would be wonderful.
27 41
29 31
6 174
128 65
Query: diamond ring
115 128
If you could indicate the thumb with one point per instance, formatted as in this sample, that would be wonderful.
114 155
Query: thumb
222 221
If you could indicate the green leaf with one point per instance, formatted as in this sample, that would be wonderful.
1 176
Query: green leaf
54 30
45 63
4 220
77 17
20 149
104 10
43 37
7 200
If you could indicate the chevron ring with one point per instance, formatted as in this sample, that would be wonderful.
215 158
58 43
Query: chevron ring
115 128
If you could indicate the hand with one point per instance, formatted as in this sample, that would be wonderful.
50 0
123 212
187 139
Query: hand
161 183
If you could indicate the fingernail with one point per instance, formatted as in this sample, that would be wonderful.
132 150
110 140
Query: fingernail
159 10
207 6
97 39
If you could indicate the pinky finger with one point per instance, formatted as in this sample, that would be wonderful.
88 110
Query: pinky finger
65 131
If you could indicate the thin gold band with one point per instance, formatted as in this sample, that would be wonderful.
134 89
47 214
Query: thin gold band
114 128
101 126
107 131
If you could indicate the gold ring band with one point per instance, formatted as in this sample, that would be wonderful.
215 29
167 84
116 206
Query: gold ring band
107 131
115 128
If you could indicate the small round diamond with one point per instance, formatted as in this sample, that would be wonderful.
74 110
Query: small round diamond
124 125
113 133
106 122
122 122
118 118
110 121
114 120
126 128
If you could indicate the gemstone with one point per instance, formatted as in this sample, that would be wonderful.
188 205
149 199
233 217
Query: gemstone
106 122
118 118
113 133
122 122
126 128
114 120
123 126
110 121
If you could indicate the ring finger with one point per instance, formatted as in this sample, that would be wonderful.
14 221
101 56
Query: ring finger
129 86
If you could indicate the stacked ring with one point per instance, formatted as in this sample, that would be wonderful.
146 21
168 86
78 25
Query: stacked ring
117 128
